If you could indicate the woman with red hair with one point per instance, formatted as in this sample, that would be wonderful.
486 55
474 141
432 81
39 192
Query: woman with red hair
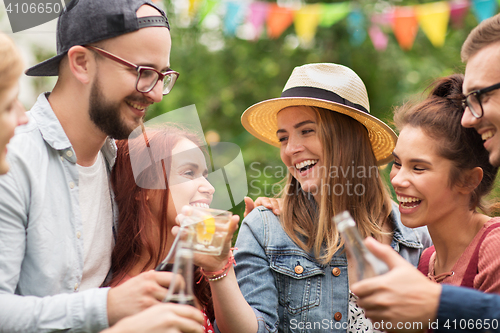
151 186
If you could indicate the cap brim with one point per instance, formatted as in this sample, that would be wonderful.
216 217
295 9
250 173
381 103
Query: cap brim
260 120
49 67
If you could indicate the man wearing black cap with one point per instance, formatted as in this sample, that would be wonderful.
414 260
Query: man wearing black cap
57 212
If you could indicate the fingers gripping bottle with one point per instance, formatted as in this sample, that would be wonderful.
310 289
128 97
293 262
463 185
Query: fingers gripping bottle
181 286
366 265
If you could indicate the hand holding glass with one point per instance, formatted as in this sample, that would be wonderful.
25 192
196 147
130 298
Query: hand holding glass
206 229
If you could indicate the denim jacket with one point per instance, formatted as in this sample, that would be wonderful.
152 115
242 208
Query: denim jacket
289 290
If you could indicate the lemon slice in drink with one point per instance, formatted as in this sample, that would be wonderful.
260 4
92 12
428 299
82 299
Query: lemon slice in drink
205 230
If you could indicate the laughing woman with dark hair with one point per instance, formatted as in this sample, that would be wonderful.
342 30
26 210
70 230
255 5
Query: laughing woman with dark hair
441 174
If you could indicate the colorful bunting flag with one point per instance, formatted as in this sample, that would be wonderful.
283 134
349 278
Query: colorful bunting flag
433 19
257 17
378 38
458 10
356 27
331 13
405 26
193 7
383 19
234 17
278 20
306 20
207 7
484 9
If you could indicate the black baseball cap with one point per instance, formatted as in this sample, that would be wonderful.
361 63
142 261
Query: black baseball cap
83 22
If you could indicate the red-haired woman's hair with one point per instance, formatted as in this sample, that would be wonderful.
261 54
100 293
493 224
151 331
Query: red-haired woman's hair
133 236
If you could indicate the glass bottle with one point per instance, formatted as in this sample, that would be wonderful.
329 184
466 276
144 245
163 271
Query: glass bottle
366 265
181 285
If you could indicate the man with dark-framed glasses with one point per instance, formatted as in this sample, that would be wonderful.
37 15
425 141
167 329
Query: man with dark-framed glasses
473 100
57 210
147 77
481 87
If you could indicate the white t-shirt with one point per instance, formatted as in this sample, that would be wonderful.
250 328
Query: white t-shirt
97 218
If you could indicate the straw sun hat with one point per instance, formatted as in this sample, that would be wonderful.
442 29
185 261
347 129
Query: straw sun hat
329 86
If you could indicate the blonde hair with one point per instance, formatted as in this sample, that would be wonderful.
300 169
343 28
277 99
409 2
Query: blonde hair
347 147
11 65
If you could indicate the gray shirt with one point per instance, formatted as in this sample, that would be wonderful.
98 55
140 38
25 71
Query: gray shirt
41 243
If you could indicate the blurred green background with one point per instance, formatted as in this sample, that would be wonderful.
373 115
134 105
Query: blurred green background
240 73
224 83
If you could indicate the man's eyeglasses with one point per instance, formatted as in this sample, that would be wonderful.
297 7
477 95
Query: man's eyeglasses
473 100
147 77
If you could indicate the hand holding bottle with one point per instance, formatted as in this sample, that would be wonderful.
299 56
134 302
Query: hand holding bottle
366 264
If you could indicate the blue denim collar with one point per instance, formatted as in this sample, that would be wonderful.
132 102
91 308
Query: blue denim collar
53 132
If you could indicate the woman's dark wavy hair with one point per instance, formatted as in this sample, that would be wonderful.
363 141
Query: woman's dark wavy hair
134 214
439 116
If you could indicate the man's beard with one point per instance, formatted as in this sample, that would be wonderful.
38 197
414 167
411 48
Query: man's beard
106 115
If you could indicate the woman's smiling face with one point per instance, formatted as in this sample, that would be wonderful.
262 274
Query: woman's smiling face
421 179
187 181
301 149
11 115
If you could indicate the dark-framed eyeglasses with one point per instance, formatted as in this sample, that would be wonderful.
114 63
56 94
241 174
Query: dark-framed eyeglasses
473 100
147 77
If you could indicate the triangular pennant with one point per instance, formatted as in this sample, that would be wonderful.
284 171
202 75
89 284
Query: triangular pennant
193 7
207 7
356 27
378 38
433 19
257 16
484 9
306 21
383 19
405 26
234 16
458 11
278 20
331 13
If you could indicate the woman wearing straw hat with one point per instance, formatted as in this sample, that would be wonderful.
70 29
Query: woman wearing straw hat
292 271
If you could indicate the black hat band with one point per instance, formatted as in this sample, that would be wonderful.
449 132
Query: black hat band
319 93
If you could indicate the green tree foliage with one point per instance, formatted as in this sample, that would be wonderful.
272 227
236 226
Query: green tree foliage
223 83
